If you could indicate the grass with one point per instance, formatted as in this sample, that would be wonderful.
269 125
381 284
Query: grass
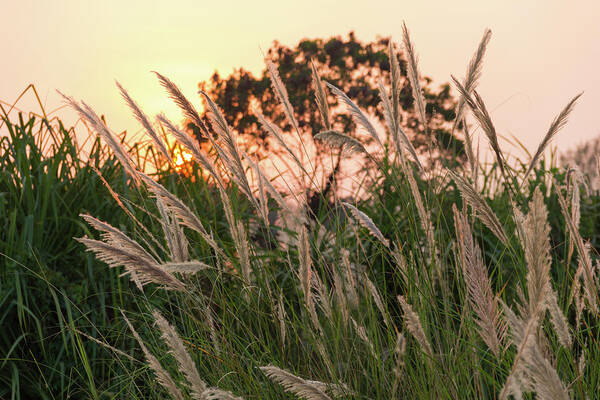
471 283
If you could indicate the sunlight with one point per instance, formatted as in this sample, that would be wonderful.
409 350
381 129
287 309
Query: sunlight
182 159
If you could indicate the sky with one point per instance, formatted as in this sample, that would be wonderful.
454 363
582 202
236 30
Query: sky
542 53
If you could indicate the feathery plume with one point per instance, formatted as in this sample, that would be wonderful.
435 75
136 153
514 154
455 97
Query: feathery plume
192 146
584 255
179 352
483 117
182 102
559 321
399 353
218 394
281 317
176 240
479 289
348 144
482 209
274 131
185 267
282 95
320 96
305 275
393 121
340 295
414 326
143 119
530 370
557 124
349 281
362 334
377 298
305 389
118 249
413 75
473 74
162 375
364 220
90 117
228 149
357 114
424 215
395 76
185 216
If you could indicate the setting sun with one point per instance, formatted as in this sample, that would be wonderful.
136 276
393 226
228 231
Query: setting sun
182 159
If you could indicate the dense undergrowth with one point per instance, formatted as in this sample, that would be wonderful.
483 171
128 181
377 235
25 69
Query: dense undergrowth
471 283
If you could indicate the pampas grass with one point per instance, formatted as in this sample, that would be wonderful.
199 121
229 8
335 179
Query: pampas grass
359 117
311 293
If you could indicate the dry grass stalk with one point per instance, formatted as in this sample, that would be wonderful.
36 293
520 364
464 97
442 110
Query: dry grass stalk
414 326
305 276
531 370
121 205
480 207
228 149
364 220
559 321
275 132
185 216
557 124
282 95
359 117
177 349
473 75
305 389
413 75
399 354
377 298
182 102
479 289
192 146
362 334
424 216
349 281
320 96
143 119
590 287
574 180
340 294
395 78
348 144
535 239
322 296
392 119
90 117
281 317
177 243
480 112
185 267
162 375
118 249
472 159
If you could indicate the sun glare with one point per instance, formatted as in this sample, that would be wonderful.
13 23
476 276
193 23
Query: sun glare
182 160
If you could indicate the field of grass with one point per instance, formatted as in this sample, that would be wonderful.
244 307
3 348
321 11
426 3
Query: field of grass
218 283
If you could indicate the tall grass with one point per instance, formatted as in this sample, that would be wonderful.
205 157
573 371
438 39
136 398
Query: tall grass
472 283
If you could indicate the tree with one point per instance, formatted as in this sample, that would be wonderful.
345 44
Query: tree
352 66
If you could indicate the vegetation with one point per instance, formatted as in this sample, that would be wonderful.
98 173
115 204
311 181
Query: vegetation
426 282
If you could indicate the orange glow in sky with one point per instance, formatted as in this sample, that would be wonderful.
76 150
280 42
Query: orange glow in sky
541 53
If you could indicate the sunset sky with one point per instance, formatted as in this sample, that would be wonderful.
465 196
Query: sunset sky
542 53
